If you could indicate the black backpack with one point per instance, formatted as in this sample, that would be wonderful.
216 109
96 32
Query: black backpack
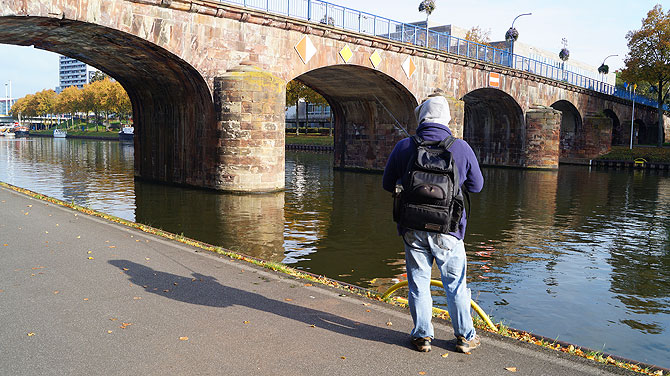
430 197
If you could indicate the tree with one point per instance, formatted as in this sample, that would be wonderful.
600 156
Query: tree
295 91
427 6
98 76
45 102
478 35
649 58
69 101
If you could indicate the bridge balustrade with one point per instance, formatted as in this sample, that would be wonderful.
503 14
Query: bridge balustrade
365 23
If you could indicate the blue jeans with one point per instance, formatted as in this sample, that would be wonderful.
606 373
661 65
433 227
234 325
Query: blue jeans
421 248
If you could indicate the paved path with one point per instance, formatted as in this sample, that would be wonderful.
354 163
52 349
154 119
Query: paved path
83 296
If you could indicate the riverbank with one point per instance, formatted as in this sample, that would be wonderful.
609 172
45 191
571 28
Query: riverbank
91 135
121 300
648 153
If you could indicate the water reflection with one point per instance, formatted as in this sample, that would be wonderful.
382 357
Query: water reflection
580 254
252 224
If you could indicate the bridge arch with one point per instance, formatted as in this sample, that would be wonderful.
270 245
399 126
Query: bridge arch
572 130
618 133
366 104
173 111
494 126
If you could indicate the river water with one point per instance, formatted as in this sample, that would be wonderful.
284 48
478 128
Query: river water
578 254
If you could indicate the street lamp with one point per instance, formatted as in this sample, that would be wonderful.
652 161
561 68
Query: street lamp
513 31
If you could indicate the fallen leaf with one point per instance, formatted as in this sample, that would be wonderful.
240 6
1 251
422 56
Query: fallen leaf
389 323
445 355
175 284
85 299
90 258
112 246
26 213
79 237
245 322
137 240
511 369
109 332
89 252
422 373
56 292
5 245
125 269
366 304
31 334
166 290
308 285
1 290
30 206
343 357
113 319
288 299
46 232
312 326
367 310
125 325
183 338
137 297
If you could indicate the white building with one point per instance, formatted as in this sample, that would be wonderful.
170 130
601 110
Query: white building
73 72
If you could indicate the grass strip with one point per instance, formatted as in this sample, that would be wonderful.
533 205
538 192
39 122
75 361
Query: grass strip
650 154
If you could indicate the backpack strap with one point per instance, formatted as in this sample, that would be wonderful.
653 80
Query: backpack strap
418 140
447 142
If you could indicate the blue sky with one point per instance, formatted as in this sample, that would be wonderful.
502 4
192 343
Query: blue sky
594 29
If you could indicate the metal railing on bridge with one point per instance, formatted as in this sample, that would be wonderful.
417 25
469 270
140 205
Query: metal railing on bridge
365 23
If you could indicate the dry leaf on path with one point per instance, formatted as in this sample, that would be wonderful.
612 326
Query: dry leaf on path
388 323
511 369
445 355
31 334
288 299
422 373
183 338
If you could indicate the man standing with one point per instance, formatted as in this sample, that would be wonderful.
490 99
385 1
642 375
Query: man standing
444 246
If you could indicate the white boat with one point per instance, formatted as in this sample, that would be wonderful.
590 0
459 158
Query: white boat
126 133
60 133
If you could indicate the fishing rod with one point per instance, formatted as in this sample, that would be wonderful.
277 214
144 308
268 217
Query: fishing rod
397 123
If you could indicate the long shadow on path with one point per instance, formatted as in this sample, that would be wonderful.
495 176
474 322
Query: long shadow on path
207 291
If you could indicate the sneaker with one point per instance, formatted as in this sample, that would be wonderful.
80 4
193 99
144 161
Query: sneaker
421 344
465 346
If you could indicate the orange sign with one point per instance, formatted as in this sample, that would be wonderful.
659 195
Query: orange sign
494 79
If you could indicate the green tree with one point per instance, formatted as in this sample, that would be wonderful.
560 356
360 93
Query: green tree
98 76
295 91
649 58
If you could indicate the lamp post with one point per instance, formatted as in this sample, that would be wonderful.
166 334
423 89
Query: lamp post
511 46
604 69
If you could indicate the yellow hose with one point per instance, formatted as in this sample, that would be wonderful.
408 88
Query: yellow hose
436 283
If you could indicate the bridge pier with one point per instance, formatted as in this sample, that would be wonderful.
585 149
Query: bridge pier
543 130
597 136
250 129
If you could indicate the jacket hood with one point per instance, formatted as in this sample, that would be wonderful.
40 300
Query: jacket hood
433 110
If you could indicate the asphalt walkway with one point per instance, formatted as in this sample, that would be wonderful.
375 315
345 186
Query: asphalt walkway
80 295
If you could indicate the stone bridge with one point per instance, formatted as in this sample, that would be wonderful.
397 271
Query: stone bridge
207 83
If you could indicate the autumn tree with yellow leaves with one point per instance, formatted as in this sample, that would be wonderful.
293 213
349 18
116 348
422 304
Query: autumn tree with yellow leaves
103 96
